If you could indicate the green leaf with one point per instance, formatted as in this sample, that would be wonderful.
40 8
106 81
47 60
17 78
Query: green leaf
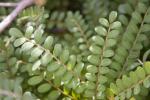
83 47
125 81
27 96
2 44
66 91
109 92
53 95
147 18
93 59
36 52
137 89
46 58
67 77
141 7
122 51
114 88
78 68
89 93
80 89
115 25
100 95
134 78
146 28
113 34
104 70
147 67
36 65
146 83
106 62
136 17
19 42
38 35
44 88
129 93
112 16
101 30
126 44
92 69
122 96
108 53
95 49
12 61
129 36
145 55
15 32
119 85
81 40
35 80
72 61
116 66
90 85
60 72
123 19
90 77
98 40
32 59
48 42
140 73
57 81
73 83
104 22
102 79
101 87
27 46
53 66
125 9
57 49
3 57
64 56
29 31
111 42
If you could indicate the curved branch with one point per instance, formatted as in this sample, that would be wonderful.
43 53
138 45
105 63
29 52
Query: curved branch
9 19
8 4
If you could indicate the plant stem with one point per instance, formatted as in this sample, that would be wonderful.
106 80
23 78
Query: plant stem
9 19
8 4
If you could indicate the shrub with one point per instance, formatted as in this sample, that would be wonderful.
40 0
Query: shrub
77 50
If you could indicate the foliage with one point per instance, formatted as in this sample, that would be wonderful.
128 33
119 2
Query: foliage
96 51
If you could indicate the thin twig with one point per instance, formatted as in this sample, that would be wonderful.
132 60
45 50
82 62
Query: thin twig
8 4
9 19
